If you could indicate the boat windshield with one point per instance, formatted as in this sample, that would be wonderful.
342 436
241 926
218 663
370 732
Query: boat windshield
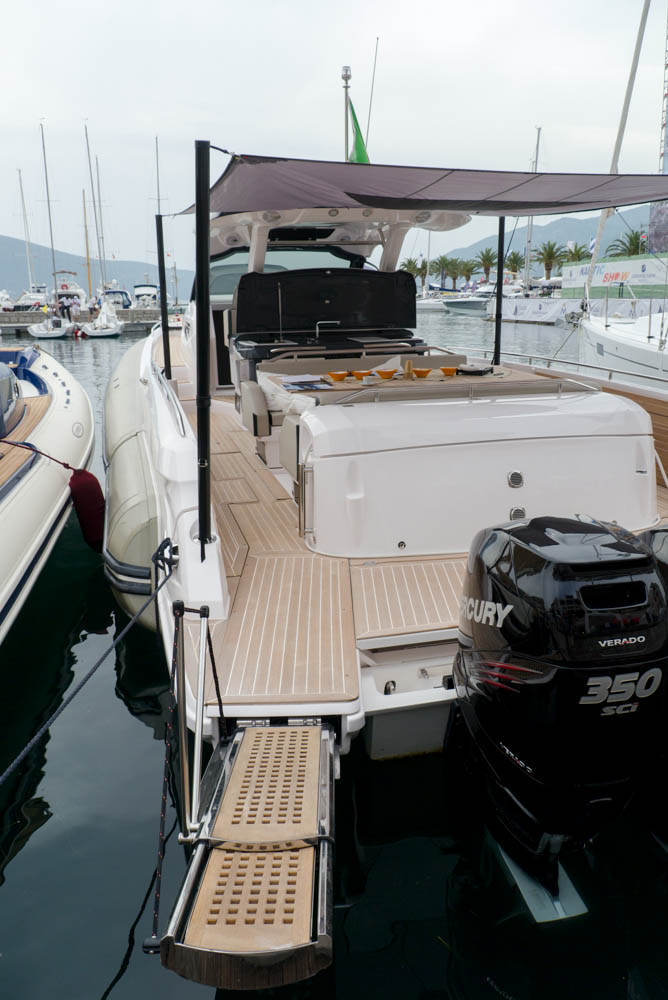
225 271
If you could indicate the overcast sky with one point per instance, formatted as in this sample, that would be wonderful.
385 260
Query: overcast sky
459 84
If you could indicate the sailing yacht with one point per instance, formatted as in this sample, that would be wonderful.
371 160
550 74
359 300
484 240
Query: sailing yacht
318 475
52 326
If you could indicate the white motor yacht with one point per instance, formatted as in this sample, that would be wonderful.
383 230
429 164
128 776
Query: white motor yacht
41 407
145 296
318 476
36 298
470 303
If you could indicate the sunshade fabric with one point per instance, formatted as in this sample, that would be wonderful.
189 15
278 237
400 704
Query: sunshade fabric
257 183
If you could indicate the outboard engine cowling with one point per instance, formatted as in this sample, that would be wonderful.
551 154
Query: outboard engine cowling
560 677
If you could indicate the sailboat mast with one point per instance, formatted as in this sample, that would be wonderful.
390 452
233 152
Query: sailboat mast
48 204
527 252
99 205
618 143
97 228
157 173
90 290
26 234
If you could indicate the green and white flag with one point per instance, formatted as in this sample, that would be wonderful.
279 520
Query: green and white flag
358 153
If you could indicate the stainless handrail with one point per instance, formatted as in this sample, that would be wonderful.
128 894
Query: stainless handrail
485 387
183 724
485 351
199 721
364 349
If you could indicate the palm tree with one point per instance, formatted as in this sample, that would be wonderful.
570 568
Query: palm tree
577 252
550 255
439 266
422 272
454 270
469 267
629 245
515 262
412 265
486 260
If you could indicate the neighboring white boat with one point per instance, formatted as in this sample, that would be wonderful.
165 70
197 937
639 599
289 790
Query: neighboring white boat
119 298
429 303
625 342
328 555
36 298
51 328
68 289
105 324
41 405
145 296
473 303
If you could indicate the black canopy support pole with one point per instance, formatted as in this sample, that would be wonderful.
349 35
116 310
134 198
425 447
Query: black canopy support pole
163 296
202 301
500 257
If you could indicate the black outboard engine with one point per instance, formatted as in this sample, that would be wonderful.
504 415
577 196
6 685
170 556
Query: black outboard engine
560 677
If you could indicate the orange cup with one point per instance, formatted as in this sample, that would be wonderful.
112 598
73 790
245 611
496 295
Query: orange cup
338 376
421 372
360 375
449 371
385 372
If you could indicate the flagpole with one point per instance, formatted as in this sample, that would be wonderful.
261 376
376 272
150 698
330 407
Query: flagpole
345 76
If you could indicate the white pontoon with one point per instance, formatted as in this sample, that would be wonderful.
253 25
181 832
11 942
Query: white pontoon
44 407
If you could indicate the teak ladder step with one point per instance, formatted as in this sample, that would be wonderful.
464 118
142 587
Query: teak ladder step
259 909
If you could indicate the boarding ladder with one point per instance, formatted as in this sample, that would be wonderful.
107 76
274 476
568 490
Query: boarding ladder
255 908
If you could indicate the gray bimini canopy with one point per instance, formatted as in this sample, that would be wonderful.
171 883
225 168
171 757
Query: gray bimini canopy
260 183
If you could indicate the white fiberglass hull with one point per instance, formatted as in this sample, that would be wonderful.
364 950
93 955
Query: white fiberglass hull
47 331
472 306
635 346
90 330
35 499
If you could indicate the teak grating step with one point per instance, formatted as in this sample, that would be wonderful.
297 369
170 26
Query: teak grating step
272 795
254 902
255 910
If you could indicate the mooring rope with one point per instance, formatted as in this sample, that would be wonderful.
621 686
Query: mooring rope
31 447
167 561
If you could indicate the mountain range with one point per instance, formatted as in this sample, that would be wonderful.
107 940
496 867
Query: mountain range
13 270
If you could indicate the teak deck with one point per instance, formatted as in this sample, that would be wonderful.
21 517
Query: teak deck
11 458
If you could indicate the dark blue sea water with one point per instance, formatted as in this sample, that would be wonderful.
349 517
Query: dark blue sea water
423 907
